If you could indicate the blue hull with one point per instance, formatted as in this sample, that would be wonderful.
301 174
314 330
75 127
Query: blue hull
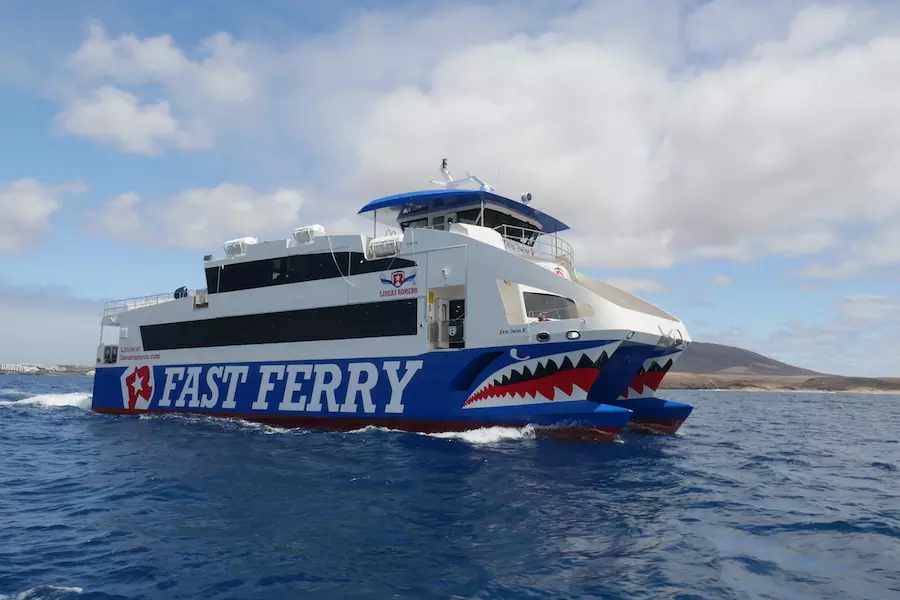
655 415
563 389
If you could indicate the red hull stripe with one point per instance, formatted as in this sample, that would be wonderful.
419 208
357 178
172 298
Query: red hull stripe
568 433
658 426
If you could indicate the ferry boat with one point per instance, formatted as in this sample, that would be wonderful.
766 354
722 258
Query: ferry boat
470 314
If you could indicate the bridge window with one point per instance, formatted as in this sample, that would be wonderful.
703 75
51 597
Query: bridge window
550 306
416 223
516 229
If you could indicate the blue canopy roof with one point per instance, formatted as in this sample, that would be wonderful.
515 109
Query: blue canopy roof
450 199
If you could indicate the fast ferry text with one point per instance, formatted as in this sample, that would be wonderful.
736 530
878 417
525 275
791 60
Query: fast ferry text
310 387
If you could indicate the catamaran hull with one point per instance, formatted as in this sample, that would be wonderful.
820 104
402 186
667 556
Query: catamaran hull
604 427
556 388
656 415
650 413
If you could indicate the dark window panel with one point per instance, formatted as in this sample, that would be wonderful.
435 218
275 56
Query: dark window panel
374 319
296 269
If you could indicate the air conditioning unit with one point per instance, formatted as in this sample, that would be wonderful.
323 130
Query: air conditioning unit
385 246
308 234
238 246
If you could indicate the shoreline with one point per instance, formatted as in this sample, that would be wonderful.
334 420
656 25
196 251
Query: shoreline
830 384
786 390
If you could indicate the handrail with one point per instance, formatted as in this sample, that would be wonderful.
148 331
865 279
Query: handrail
527 242
114 307
537 244
555 313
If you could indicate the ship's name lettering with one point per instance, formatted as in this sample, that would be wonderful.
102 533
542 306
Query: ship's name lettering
400 292
322 387
514 331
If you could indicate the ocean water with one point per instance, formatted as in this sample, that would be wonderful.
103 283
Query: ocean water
759 496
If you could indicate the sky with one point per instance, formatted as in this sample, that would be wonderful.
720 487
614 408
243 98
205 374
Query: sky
736 162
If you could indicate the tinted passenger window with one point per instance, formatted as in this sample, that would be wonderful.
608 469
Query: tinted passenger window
549 305
295 269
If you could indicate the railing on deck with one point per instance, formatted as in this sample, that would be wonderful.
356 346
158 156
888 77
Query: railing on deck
535 244
114 307
557 314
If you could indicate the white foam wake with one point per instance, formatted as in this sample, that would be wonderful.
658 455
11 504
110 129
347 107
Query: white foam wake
44 592
484 435
488 435
76 399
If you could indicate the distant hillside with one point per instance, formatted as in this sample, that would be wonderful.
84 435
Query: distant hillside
707 359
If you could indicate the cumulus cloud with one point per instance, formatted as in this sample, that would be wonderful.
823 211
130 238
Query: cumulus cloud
779 142
200 218
766 154
26 206
218 75
114 116
877 249
119 219
871 307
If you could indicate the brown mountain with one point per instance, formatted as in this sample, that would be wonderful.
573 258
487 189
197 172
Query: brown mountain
704 358
716 366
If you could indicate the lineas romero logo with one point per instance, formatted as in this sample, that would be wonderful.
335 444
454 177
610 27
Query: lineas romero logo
402 282
137 387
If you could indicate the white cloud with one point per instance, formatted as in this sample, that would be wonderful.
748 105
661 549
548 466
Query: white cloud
814 28
204 217
114 116
636 285
119 219
200 218
777 144
722 280
220 75
841 270
871 307
26 206
876 250
759 156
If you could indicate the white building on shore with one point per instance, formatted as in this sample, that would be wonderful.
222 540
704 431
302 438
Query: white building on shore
10 368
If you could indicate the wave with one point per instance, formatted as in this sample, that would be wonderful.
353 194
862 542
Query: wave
76 399
484 435
44 592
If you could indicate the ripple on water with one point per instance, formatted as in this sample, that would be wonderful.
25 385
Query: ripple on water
761 495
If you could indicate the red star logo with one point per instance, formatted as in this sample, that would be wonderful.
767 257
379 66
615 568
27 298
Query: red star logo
138 385
398 278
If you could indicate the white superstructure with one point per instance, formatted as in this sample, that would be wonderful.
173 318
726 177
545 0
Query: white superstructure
468 269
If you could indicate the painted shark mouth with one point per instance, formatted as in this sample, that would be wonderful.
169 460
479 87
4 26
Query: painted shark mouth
555 378
650 376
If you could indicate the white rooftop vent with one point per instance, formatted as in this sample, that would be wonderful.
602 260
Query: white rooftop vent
308 234
238 246
386 246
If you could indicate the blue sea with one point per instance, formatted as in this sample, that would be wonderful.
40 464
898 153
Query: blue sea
761 495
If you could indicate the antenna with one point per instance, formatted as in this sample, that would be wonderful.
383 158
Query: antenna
450 183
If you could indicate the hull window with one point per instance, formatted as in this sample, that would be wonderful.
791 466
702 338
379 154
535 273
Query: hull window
351 321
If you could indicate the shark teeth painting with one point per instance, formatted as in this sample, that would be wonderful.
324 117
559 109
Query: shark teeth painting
563 377
650 376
